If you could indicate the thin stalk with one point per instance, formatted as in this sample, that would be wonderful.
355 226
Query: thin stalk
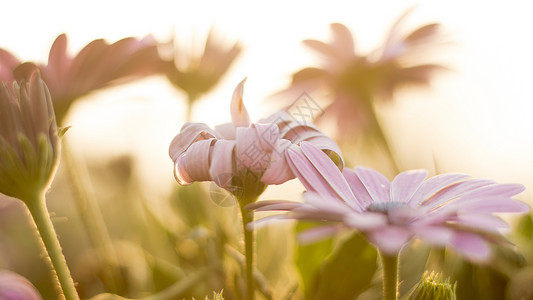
190 102
41 218
390 276
247 217
178 290
93 222
383 139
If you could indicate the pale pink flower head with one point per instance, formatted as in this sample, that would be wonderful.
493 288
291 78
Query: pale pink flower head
447 209
15 287
243 157
352 81
98 65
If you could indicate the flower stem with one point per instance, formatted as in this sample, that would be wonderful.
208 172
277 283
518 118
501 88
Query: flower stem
247 217
390 276
45 228
383 139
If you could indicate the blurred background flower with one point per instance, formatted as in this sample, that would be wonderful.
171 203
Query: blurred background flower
16 287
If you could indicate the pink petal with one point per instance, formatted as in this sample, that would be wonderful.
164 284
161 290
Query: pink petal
358 189
433 185
317 234
226 131
377 185
365 221
405 184
311 179
321 47
325 204
278 171
455 190
249 151
268 135
433 235
221 158
329 171
502 190
343 41
194 164
492 204
471 246
269 205
239 114
485 222
190 133
390 240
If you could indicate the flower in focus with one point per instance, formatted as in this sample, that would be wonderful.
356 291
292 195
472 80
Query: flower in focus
198 75
96 66
243 157
353 81
29 145
447 209
16 287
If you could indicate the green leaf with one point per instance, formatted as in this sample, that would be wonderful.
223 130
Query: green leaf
348 271
309 259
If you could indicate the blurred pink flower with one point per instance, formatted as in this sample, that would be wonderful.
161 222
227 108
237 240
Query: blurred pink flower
16 287
96 66
447 209
197 75
352 81
242 156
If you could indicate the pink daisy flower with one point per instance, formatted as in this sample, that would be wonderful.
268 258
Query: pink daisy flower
447 209
243 156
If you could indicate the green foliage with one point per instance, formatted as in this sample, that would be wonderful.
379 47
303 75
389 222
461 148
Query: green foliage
346 272
433 287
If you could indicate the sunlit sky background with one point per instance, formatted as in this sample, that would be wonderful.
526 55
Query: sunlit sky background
476 119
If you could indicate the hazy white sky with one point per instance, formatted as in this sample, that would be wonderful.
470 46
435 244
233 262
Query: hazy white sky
477 119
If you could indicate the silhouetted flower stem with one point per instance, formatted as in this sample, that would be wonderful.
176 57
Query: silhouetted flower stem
45 228
248 217
94 224
383 139
390 276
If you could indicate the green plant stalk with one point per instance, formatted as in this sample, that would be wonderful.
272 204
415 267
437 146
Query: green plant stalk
383 139
249 241
390 276
39 213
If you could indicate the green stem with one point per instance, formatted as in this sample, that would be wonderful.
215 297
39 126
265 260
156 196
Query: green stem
178 290
390 276
383 139
45 228
247 217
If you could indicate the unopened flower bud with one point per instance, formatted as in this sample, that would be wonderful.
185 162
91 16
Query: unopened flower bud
433 287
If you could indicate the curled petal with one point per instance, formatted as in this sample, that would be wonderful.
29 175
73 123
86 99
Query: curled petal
278 171
221 158
250 152
190 133
193 165
239 114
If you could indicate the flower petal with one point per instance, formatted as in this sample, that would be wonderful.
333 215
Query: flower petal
365 221
405 185
327 169
193 165
239 114
471 246
190 133
358 189
492 204
226 131
278 171
250 151
221 158
455 190
317 234
433 235
377 185
390 240
433 185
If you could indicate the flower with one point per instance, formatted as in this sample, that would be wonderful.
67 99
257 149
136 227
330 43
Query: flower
242 156
29 145
15 287
353 81
447 209
96 66
203 72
